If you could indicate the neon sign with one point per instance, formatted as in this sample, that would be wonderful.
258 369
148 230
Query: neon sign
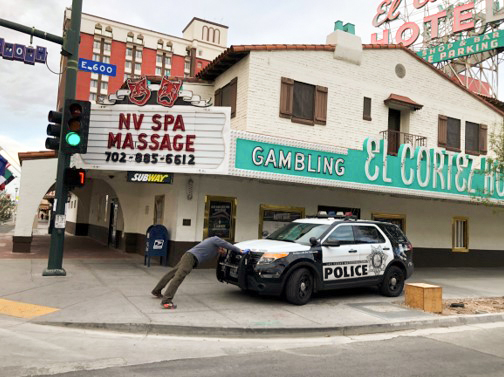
462 19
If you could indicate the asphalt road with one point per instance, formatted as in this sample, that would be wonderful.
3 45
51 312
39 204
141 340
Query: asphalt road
446 353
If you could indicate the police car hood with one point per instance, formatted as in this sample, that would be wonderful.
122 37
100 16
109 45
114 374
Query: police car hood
271 246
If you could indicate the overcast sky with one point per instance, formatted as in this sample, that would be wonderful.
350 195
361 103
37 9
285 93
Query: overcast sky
29 92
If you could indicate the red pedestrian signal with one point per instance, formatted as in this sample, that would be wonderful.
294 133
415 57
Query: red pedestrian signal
74 177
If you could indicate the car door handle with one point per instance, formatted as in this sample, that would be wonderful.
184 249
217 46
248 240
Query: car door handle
352 251
386 248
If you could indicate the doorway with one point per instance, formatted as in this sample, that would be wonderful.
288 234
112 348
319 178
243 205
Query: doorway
394 131
114 211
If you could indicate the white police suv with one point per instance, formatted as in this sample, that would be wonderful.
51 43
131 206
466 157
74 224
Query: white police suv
321 253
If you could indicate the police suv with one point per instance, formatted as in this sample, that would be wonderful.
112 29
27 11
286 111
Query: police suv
321 253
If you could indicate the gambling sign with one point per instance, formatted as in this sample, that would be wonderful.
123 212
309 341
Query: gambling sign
156 139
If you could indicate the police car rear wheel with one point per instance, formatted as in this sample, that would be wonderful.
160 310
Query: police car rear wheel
299 287
393 282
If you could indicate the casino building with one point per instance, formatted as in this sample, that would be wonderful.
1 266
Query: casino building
294 129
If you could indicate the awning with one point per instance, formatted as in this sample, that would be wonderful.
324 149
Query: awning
402 103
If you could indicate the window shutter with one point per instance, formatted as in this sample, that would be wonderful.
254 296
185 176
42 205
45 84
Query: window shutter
321 105
483 138
442 131
286 97
233 87
218 97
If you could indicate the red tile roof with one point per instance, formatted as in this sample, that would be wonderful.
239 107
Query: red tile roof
36 155
235 53
396 98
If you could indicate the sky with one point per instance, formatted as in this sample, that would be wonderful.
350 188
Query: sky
28 92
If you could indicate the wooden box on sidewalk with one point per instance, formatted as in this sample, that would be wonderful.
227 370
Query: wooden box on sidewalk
424 296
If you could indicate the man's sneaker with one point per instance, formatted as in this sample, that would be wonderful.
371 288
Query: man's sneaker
157 294
169 305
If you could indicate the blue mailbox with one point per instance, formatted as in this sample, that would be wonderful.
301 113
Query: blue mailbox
157 244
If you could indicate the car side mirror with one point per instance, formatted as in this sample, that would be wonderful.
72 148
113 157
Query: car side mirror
332 243
313 241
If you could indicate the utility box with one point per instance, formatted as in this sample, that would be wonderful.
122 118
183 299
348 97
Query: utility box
423 296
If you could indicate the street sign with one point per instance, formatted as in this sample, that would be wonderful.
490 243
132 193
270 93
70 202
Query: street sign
97 67
60 221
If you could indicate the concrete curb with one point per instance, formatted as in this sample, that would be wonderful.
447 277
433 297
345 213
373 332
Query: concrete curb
233 332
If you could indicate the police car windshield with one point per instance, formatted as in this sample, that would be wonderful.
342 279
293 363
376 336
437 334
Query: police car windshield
298 232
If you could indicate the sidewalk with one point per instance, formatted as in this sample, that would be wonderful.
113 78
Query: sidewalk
114 293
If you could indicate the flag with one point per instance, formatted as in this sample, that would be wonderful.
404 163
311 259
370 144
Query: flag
3 173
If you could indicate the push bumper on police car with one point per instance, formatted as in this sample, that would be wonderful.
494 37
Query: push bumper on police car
244 271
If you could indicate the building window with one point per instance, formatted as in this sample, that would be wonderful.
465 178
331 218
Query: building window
167 60
108 32
140 39
138 66
449 133
272 217
96 45
460 234
126 76
367 109
227 95
138 54
129 38
94 83
167 72
129 52
200 53
106 59
92 97
127 65
96 57
160 45
169 46
200 65
220 217
476 138
104 86
399 220
187 66
98 29
303 103
107 46
158 71
159 58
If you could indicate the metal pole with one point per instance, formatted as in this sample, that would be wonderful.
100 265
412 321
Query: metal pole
31 31
71 49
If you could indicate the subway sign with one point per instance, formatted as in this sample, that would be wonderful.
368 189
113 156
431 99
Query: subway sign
145 177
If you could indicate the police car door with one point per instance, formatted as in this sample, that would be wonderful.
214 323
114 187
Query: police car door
375 249
341 259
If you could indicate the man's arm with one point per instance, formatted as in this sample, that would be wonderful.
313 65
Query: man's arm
226 245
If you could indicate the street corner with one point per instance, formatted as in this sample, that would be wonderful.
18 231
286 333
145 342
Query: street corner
24 310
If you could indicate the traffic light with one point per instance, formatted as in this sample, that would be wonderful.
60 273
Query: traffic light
75 126
53 130
74 177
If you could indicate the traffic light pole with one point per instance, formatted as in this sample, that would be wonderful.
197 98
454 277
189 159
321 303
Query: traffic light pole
71 50
70 42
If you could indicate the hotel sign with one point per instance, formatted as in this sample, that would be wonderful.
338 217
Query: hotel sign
459 17
464 47
420 169
152 138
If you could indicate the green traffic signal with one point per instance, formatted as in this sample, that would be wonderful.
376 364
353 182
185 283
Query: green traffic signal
73 139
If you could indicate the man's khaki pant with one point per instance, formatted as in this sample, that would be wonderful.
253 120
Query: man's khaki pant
175 277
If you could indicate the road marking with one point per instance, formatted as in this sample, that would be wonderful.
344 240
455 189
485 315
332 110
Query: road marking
23 310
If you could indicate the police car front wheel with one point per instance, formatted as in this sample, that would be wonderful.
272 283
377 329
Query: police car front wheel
299 287
393 282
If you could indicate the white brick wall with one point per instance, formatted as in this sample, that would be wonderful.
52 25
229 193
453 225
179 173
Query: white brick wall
259 79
